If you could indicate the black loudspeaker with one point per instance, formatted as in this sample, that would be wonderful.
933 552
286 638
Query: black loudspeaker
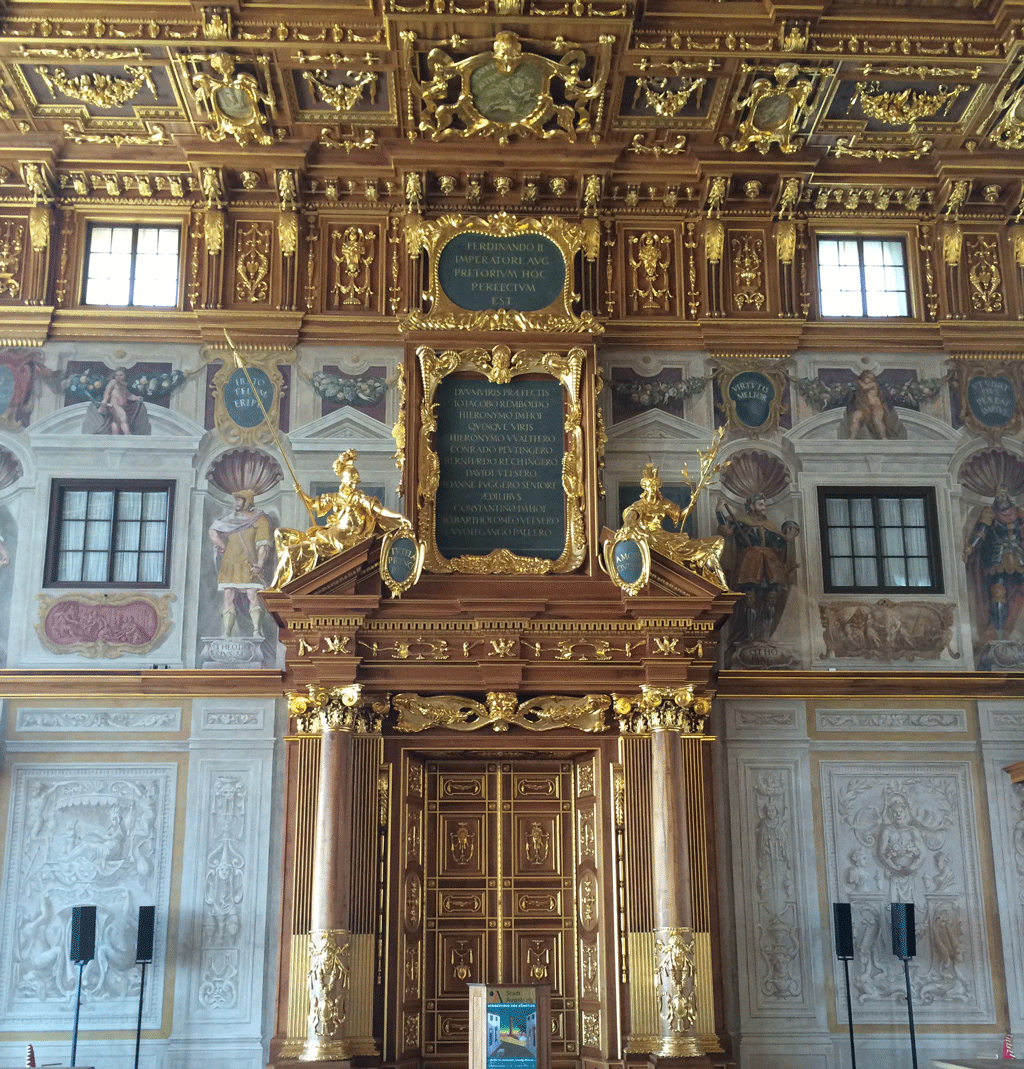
83 933
144 947
904 942
842 929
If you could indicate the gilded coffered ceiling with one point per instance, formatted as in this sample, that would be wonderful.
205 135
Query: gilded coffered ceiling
561 105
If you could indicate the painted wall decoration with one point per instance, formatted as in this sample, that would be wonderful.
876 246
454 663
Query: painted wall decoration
243 541
233 409
759 559
906 834
994 557
987 395
17 374
667 391
118 397
870 400
750 395
365 391
103 625
887 630
98 834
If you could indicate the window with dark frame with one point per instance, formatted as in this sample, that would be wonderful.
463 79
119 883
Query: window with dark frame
864 277
879 540
134 266
105 533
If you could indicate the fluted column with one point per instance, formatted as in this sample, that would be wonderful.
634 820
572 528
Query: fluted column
333 714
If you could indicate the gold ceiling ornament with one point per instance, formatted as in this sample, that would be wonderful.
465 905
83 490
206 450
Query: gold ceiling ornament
10 258
667 102
500 365
785 241
288 233
81 54
844 147
906 106
773 107
501 709
1008 132
984 275
952 243
1016 236
213 231
662 709
921 72
669 148
342 97
748 271
235 101
714 241
431 237
507 92
38 183
352 251
157 135
328 139
99 89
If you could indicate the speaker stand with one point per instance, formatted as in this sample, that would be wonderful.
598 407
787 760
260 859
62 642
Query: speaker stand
849 1012
78 1007
910 1012
138 1027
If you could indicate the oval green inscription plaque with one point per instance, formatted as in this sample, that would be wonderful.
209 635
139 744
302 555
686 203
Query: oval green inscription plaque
520 272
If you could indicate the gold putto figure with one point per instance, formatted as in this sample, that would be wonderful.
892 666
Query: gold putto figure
352 517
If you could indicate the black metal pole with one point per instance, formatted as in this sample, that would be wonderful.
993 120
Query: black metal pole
849 1013
138 1027
910 1012
78 1007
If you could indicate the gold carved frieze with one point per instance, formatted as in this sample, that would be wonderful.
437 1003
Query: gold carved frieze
508 91
904 107
500 365
344 96
505 260
676 988
1008 129
98 88
328 982
416 712
252 263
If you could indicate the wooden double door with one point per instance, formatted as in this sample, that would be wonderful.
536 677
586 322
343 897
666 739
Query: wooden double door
499 876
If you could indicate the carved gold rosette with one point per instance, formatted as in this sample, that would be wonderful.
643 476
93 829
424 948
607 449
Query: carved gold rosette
328 984
675 977
501 365
442 313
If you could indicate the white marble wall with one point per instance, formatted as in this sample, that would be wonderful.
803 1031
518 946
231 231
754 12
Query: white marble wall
178 816
871 805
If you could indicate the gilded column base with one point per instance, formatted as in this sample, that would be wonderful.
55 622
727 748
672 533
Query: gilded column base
679 1047
325 1050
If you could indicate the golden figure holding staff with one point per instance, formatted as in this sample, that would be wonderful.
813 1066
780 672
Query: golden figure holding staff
352 517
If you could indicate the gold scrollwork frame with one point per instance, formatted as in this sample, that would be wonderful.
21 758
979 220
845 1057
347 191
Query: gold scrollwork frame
726 371
964 370
443 314
500 364
267 362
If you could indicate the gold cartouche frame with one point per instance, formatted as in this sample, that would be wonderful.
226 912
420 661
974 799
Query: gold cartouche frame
443 314
500 364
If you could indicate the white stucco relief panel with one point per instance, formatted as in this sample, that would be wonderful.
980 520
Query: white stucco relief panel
84 834
906 833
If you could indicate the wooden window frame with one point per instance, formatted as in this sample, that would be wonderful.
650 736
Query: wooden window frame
58 487
925 493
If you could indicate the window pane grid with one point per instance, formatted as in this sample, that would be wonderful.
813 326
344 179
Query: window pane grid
878 542
862 277
111 537
136 266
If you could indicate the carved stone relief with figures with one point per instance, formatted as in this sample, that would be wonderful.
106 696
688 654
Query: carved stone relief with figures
87 834
907 834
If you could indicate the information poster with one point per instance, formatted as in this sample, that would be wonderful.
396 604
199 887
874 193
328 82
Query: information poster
509 1027
500 448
